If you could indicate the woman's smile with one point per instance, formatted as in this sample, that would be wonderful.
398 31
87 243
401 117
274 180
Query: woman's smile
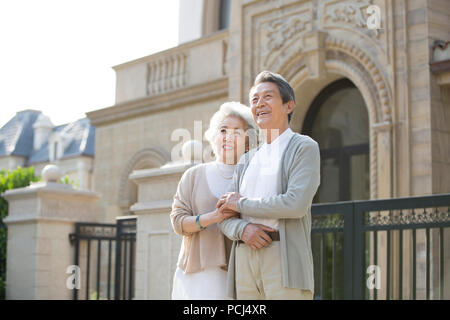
227 147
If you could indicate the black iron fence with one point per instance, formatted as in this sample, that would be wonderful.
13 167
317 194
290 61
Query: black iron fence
105 254
382 249
377 249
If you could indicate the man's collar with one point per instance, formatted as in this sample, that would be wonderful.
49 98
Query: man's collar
282 137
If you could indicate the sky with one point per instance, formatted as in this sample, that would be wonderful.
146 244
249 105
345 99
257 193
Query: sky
57 55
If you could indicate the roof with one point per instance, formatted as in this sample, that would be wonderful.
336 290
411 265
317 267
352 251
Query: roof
82 141
17 135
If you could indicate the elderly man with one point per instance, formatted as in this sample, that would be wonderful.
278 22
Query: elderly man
272 189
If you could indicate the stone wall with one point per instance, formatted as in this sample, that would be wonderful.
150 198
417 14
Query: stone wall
438 23
11 162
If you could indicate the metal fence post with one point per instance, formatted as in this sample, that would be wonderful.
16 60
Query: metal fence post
358 253
118 261
348 250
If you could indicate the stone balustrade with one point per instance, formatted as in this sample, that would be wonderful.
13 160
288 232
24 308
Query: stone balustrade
173 69
166 73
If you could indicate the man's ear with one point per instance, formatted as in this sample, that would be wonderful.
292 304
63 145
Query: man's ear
290 105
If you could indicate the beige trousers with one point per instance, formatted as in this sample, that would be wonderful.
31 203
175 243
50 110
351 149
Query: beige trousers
258 275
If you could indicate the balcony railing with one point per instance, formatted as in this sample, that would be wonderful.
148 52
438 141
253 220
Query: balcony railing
167 73
173 69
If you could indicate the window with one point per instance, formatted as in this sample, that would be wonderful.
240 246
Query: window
224 14
55 151
338 121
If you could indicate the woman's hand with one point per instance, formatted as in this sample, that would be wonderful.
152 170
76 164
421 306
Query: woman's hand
222 213
229 200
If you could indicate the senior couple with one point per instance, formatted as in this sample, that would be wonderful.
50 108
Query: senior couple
245 218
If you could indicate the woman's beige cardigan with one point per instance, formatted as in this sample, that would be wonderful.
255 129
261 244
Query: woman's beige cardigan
202 249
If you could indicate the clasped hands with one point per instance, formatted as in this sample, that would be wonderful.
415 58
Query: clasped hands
253 235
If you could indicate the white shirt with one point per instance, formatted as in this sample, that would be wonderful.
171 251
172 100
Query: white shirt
260 178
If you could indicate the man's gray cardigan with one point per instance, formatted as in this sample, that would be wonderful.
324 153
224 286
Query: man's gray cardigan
298 180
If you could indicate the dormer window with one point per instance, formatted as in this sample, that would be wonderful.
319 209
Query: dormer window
55 151
56 146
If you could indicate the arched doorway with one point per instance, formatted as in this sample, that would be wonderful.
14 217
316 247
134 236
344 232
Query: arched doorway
338 121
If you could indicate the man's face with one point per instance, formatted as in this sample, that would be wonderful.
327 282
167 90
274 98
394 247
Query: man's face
268 109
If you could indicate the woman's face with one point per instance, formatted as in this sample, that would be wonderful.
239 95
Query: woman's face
231 140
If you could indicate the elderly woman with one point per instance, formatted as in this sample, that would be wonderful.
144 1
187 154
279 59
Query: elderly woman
203 259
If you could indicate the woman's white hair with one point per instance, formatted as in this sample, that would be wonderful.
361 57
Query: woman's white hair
233 109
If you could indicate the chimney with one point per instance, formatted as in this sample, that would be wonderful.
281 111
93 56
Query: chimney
42 129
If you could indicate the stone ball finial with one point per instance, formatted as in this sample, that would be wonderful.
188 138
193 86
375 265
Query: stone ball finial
192 150
51 173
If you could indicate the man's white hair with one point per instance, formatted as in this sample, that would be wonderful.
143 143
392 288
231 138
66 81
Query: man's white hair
233 109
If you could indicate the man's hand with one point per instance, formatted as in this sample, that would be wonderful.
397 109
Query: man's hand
223 213
255 237
229 201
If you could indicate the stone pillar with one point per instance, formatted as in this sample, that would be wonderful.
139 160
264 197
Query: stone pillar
384 160
40 219
157 245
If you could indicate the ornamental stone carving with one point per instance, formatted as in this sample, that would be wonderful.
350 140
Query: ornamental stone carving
281 30
370 66
352 13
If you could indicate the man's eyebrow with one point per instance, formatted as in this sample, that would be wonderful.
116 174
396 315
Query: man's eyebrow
264 92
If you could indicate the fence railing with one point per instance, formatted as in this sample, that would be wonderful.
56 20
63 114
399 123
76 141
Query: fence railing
382 249
377 249
110 248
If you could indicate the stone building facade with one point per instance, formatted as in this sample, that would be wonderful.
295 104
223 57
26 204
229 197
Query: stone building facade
312 44
368 96
31 139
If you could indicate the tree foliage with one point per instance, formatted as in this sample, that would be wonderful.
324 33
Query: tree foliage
21 177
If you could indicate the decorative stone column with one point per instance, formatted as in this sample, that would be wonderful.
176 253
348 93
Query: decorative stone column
40 219
157 246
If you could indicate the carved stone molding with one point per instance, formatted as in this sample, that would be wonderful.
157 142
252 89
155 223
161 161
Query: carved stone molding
282 30
276 34
316 43
375 72
351 13
145 158
380 136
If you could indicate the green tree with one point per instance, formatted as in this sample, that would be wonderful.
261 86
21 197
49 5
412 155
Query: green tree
66 180
21 177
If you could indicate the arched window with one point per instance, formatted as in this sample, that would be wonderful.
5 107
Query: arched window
338 121
224 14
